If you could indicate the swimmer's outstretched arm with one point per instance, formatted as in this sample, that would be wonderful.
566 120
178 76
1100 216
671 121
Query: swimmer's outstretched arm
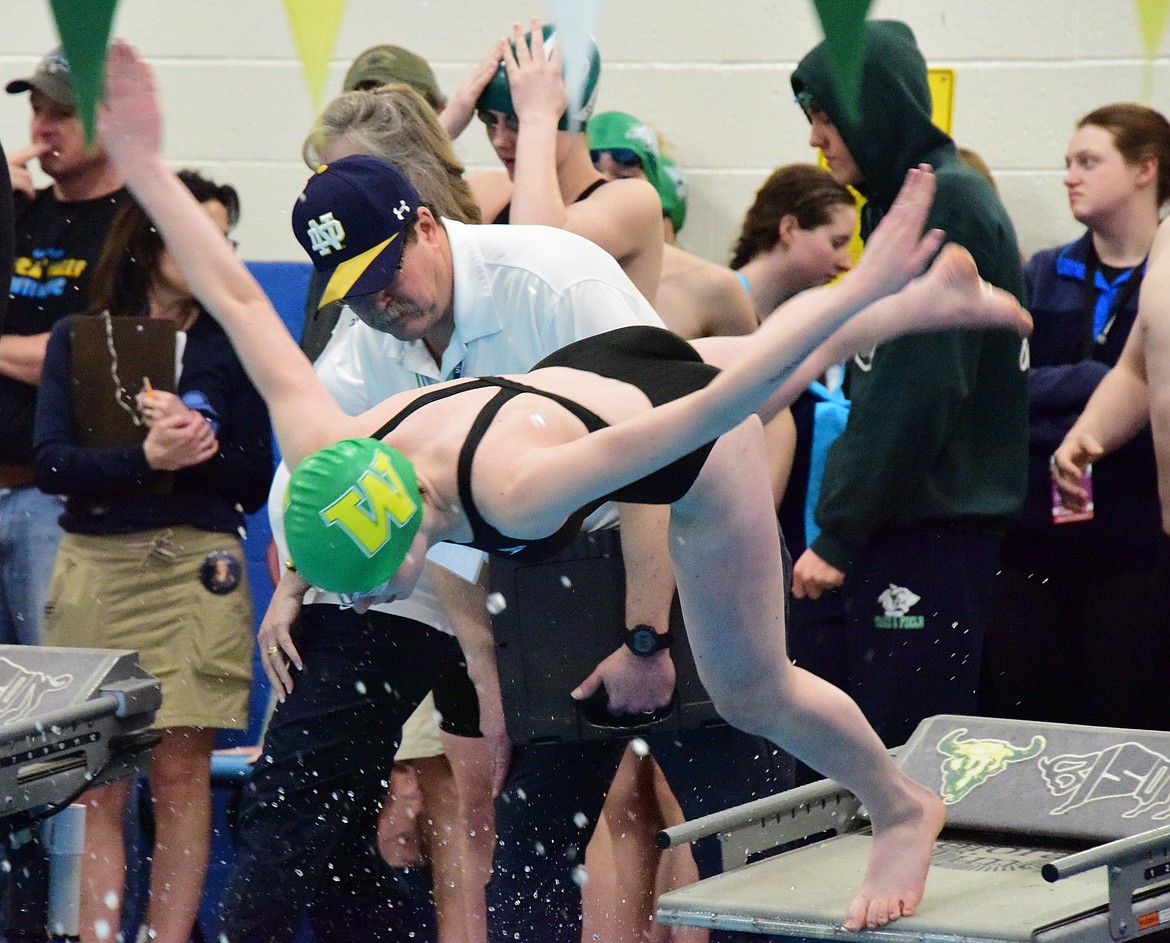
543 486
304 416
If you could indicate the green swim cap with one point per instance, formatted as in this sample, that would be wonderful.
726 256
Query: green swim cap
617 131
497 94
351 512
672 191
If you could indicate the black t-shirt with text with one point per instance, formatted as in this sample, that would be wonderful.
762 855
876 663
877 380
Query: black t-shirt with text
57 245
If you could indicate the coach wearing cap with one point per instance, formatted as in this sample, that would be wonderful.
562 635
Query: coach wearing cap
437 299
59 231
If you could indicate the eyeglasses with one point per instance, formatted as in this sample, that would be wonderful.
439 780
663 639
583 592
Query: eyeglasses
622 156
493 120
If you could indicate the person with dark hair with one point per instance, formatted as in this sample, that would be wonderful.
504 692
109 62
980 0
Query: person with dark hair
1063 579
152 558
511 465
58 233
929 471
794 236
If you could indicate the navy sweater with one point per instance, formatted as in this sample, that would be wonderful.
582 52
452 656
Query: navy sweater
212 496
1069 359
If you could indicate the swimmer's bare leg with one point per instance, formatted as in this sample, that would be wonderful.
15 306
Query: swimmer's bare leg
726 553
949 295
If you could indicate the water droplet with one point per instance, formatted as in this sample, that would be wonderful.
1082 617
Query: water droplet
496 603
580 820
566 582
580 876
537 419
640 747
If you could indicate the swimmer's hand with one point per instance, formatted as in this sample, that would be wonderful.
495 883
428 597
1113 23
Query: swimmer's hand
812 576
537 88
277 651
1070 462
458 112
634 685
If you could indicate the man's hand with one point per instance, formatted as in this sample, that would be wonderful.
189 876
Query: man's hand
634 685
812 576
277 650
156 405
18 161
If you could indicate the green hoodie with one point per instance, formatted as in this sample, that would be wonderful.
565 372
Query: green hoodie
938 430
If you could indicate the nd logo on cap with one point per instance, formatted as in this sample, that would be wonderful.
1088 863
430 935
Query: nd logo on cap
348 220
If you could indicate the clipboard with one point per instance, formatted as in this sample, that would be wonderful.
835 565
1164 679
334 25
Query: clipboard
110 358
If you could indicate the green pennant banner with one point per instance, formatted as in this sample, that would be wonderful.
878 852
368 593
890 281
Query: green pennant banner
84 29
843 22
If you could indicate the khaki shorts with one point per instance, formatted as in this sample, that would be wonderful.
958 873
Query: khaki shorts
178 596
420 733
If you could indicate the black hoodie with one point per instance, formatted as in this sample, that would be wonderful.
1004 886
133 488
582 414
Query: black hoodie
938 429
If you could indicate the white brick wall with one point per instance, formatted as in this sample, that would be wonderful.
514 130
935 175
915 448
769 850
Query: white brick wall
713 78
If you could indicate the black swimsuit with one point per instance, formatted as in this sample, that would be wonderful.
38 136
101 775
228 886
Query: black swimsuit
659 363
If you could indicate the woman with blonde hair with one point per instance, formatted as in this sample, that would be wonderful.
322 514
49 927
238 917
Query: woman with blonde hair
397 124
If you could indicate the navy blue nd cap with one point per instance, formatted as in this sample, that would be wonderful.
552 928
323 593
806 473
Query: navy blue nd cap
349 219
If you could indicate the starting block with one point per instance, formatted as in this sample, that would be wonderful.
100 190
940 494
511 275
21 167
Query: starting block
1055 834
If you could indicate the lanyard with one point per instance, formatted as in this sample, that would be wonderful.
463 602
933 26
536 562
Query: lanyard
1103 299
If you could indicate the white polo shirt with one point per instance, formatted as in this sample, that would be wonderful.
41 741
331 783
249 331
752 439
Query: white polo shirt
520 293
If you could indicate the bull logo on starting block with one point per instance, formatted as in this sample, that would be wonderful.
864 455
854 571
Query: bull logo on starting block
24 690
971 763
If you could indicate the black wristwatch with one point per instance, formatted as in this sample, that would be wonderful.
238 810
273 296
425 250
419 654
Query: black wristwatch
643 641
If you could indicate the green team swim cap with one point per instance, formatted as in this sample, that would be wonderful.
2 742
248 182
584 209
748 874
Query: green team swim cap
497 94
617 131
351 512
672 191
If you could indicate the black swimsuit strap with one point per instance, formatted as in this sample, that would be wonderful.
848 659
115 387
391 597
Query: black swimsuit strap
472 383
481 529
591 419
508 390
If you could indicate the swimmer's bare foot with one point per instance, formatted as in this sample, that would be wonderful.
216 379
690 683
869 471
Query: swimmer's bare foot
896 873
949 295
958 297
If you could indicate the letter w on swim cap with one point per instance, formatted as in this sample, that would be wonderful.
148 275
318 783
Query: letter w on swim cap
351 513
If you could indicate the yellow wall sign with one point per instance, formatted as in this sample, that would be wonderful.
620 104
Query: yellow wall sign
942 96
